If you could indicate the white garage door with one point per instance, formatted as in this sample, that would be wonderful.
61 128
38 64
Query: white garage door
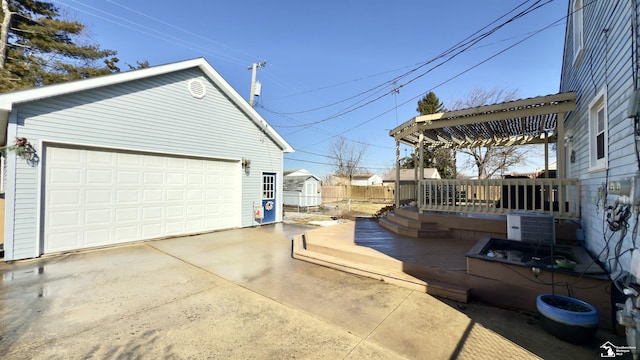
97 197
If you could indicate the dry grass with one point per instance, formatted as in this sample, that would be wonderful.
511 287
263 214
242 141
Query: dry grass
332 211
353 208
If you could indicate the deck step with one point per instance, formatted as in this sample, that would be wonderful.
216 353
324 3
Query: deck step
387 271
412 223
448 291
437 232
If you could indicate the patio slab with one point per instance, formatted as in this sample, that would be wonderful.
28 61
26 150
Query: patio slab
236 294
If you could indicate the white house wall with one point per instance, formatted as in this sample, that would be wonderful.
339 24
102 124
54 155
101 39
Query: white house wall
606 64
157 115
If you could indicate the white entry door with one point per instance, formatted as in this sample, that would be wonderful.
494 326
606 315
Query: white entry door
101 197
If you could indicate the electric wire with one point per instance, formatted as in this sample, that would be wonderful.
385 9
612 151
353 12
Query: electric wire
452 53
146 30
443 82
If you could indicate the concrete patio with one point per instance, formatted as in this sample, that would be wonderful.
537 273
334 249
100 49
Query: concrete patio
240 294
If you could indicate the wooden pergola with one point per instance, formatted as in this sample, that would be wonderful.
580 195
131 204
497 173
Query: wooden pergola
537 120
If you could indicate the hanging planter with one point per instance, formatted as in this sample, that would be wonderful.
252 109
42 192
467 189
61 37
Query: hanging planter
568 319
22 148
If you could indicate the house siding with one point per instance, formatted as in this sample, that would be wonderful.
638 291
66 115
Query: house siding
607 63
156 114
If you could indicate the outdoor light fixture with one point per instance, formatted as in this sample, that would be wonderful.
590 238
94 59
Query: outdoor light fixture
246 165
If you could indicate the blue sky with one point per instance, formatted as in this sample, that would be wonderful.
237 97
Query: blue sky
331 64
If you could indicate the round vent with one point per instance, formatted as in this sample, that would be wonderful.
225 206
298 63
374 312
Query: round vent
197 89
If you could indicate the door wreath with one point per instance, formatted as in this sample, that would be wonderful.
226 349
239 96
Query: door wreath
269 205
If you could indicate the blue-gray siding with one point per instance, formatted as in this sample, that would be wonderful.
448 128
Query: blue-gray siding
607 62
155 114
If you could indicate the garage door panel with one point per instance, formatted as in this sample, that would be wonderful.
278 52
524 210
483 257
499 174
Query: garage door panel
124 160
127 215
128 196
65 176
96 197
64 198
97 237
151 213
61 241
152 230
175 227
126 233
153 162
64 155
195 179
152 195
98 217
98 177
175 195
100 158
176 211
127 177
175 179
61 219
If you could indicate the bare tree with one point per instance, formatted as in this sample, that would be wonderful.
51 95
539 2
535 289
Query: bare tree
346 157
491 160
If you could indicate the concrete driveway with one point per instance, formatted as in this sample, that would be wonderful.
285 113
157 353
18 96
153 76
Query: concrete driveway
239 294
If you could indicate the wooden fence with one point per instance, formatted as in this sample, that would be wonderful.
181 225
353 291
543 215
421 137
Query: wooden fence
336 193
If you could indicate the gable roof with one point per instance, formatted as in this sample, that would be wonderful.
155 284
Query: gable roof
299 172
8 100
295 180
362 176
409 174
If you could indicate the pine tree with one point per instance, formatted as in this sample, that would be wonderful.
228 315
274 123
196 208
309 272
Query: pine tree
38 47
440 158
430 104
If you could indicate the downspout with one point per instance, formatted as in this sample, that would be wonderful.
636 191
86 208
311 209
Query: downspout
634 42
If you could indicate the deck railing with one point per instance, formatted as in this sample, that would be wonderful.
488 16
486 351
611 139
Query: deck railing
501 196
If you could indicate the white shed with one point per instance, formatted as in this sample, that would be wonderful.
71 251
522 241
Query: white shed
301 188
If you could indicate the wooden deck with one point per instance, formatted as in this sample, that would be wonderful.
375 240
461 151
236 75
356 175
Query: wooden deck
437 266
441 253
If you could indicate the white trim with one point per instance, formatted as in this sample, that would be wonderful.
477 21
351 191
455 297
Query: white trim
45 142
577 20
10 196
599 102
39 201
8 100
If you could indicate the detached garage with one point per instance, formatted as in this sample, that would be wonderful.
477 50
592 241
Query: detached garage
165 151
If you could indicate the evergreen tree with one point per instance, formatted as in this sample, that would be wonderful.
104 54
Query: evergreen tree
440 158
430 104
38 47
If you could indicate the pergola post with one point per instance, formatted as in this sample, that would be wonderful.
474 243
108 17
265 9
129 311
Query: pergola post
561 151
420 192
397 185
560 160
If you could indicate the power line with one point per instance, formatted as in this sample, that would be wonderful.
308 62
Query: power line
177 28
468 44
465 44
158 34
445 81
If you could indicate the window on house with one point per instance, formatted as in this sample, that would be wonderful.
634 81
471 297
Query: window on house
598 141
578 30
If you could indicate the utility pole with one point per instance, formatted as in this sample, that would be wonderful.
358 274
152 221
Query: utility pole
254 69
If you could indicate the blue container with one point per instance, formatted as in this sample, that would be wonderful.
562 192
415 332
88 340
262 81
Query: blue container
577 324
